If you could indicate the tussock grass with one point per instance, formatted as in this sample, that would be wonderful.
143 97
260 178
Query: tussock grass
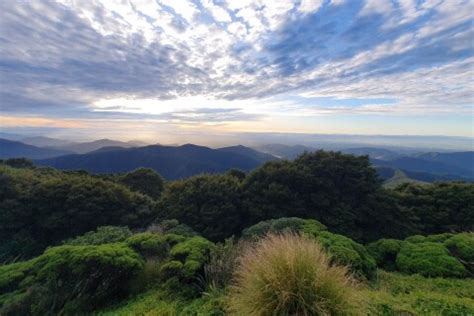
290 274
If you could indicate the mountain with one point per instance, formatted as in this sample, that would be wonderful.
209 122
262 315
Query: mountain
373 152
463 159
426 166
15 149
41 141
82 148
249 152
284 151
171 162
393 177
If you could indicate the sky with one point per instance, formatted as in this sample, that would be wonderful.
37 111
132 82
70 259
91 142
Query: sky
167 70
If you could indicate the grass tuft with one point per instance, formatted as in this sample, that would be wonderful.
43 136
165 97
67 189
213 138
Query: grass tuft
291 275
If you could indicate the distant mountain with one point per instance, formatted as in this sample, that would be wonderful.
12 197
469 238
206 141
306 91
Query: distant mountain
463 159
377 153
249 152
41 141
426 166
82 148
393 177
171 162
400 177
11 136
284 151
15 149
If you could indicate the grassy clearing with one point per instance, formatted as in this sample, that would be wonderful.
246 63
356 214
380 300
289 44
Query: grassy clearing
397 294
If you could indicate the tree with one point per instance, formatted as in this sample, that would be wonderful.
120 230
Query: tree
144 180
440 207
42 207
210 204
341 191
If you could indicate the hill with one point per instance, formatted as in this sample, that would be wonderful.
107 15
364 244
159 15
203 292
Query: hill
463 159
418 165
171 162
16 149
82 148
41 141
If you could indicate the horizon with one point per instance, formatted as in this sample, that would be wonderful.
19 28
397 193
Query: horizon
230 72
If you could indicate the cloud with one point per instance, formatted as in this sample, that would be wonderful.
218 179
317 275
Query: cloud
61 59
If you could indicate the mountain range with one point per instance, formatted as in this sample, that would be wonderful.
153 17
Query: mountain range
173 162
14 149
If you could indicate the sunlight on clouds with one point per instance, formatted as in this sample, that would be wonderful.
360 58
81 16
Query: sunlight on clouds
234 64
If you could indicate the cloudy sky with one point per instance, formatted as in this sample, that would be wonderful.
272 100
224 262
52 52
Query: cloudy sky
146 69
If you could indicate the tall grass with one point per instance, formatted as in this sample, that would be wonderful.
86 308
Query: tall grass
291 275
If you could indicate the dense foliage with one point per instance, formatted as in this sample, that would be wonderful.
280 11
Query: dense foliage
68 280
385 252
134 234
42 207
341 191
144 180
428 259
210 204
103 235
440 207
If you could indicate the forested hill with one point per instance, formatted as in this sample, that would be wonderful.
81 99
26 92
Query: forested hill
170 161
73 243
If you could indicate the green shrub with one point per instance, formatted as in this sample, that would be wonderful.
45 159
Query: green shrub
345 251
290 275
68 279
149 245
193 254
416 239
428 259
439 237
461 246
171 226
283 225
385 252
429 238
102 235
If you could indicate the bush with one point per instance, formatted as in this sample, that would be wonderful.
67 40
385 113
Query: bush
68 279
428 259
416 239
192 253
171 226
43 207
345 251
149 245
103 235
461 246
385 252
290 275
283 225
